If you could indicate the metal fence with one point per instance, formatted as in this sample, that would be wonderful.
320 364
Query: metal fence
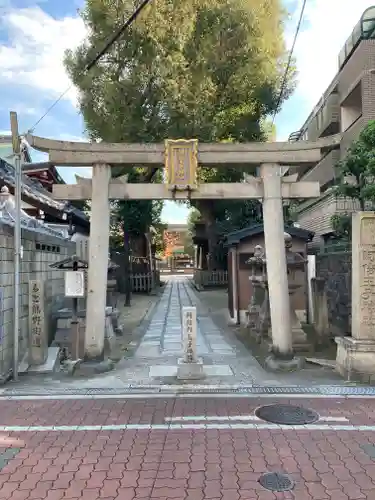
144 282
337 247
210 279
334 265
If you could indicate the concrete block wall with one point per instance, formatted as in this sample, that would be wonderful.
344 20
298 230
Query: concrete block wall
39 251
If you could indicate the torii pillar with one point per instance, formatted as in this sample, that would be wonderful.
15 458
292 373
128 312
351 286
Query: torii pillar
98 263
282 355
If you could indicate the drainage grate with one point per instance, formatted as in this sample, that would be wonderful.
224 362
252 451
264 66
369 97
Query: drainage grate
7 455
287 414
275 481
322 390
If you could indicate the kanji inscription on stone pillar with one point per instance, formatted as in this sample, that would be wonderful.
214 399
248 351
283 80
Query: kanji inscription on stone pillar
181 164
363 261
38 340
189 315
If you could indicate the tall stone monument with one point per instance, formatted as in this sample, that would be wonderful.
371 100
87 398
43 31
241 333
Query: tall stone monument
356 354
190 367
38 339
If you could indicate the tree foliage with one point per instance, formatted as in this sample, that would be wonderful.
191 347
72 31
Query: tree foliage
342 226
209 69
193 217
355 180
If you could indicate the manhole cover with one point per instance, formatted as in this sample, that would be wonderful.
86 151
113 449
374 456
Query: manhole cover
369 449
7 455
287 414
275 481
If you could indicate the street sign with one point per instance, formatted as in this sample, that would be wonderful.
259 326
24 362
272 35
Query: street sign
74 284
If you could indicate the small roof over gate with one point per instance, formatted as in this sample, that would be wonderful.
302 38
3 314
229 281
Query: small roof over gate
237 236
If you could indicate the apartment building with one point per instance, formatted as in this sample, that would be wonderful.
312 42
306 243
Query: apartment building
345 107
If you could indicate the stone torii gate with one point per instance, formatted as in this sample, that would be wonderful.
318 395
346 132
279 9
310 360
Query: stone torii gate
180 159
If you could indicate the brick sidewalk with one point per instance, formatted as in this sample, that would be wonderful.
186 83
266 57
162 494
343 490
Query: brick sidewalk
174 448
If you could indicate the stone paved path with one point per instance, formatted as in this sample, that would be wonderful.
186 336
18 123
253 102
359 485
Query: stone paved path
154 352
186 448
164 333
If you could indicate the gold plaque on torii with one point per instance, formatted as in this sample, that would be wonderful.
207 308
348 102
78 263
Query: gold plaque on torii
181 163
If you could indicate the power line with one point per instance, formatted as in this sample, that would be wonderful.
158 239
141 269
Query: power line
98 56
117 34
51 107
283 84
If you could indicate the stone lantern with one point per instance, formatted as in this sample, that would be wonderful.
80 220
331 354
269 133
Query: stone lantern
258 315
295 263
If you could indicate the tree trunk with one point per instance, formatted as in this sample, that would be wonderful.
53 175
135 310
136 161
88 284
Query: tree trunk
207 213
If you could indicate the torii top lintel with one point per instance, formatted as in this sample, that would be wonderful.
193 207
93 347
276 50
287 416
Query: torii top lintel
85 153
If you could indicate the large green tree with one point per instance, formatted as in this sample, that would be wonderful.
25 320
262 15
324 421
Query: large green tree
209 69
355 179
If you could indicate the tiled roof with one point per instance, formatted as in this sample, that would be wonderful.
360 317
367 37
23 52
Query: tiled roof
8 216
34 190
43 166
237 236
30 187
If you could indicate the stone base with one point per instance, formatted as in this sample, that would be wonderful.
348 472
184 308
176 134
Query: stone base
277 364
72 365
298 347
231 321
355 359
63 336
94 358
96 367
301 342
190 371
51 364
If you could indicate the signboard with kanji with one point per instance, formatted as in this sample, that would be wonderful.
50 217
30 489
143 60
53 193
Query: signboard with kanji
74 284
189 325
181 163
38 339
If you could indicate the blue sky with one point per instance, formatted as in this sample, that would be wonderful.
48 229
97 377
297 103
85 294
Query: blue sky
35 33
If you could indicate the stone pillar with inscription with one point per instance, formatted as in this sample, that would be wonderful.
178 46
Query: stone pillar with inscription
356 354
38 341
190 367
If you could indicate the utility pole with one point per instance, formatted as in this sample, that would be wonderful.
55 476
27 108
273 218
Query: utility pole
16 144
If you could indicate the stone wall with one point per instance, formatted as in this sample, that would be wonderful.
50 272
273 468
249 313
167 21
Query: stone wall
335 268
40 249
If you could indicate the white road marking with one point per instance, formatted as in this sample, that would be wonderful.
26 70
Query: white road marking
225 418
181 427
